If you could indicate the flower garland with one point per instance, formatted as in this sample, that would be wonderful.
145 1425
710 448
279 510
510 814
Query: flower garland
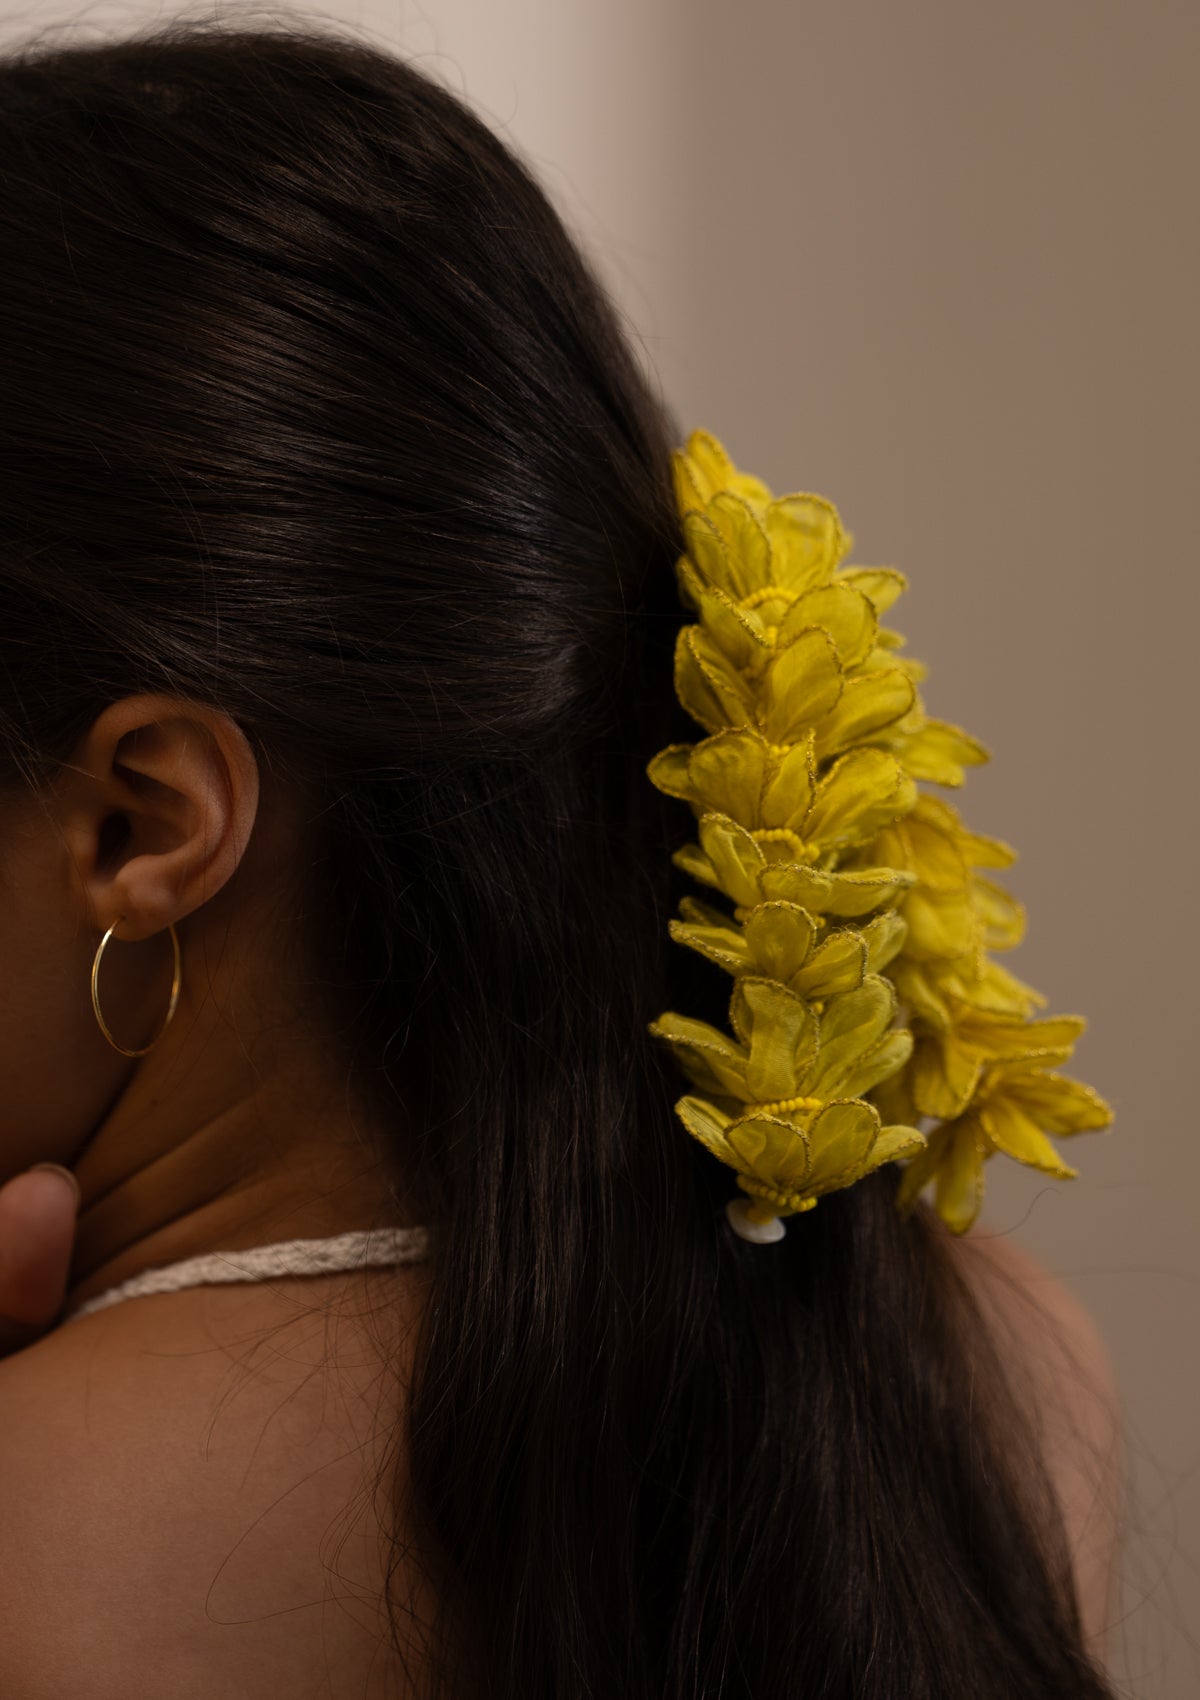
811 823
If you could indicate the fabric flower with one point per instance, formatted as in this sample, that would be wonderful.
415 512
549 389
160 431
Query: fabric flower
782 1099
1017 1104
736 773
784 942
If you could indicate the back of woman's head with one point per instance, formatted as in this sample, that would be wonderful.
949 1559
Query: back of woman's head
312 412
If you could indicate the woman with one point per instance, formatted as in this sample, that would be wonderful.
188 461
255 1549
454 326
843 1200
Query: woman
338 618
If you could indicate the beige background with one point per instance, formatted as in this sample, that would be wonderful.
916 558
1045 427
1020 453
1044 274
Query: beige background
939 262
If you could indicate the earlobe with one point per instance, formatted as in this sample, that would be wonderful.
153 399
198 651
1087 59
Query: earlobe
165 814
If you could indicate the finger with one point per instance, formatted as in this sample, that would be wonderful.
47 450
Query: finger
37 1236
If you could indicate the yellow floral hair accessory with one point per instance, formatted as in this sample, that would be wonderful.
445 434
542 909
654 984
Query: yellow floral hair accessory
810 822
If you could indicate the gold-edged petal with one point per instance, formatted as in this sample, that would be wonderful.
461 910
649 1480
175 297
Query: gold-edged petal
868 704
863 790
1058 1104
723 944
802 684
882 584
779 938
838 964
713 692
726 857
1002 915
884 938
807 540
845 613
833 892
851 1023
779 1030
709 1057
939 751
944 1074
1010 1130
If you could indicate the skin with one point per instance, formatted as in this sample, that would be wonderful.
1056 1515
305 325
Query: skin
37 1235
1064 1375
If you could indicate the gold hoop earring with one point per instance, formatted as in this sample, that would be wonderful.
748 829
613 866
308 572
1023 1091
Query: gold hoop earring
175 985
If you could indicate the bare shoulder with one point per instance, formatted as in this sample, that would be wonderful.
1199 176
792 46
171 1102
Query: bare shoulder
1057 1355
189 1488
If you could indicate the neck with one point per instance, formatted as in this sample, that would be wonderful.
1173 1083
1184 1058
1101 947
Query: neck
203 1151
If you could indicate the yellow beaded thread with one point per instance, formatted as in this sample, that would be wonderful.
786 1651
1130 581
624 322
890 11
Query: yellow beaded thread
810 821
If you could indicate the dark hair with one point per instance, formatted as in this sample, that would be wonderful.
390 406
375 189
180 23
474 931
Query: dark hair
312 411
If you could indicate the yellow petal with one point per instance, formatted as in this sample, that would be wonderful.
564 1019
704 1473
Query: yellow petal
712 691
780 936
747 549
877 1064
689 494
984 852
944 1075
807 540
1002 914
709 469
896 1141
840 1137
801 685
780 1032
701 914
834 893
850 1024
938 840
958 1195
723 945
891 1097
706 552
845 613
1012 1131
882 584
735 858
929 842
868 704
772 1149
939 751
924 1165
695 863
837 965
689 583
974 849
709 1057
707 458
669 769
999 991
736 632
940 924
1012 1036
884 938
726 772
1058 1104
707 1123
788 794
917 984
861 791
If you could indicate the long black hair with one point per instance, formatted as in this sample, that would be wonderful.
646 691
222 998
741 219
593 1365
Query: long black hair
313 412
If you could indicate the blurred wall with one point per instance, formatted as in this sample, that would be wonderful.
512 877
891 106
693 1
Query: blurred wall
940 263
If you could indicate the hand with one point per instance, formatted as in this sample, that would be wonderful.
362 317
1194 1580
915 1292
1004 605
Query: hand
38 1210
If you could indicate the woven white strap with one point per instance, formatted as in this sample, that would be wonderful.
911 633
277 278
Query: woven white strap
365 1248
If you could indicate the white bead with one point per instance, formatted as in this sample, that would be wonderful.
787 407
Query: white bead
758 1233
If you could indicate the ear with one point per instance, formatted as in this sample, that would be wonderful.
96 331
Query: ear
157 805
